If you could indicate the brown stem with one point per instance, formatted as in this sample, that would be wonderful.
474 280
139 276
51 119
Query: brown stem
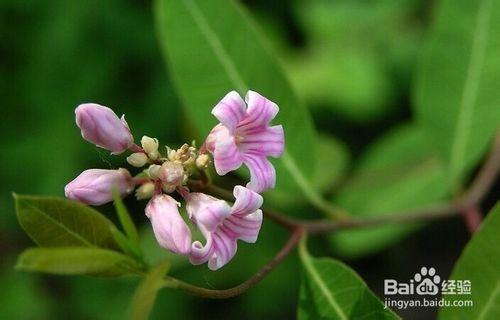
481 184
472 218
478 189
135 148
239 289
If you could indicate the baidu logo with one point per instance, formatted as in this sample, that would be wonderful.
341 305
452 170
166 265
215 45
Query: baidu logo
424 282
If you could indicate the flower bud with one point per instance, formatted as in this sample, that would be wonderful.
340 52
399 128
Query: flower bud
150 146
137 159
145 191
171 173
202 161
171 154
101 126
154 170
94 186
170 230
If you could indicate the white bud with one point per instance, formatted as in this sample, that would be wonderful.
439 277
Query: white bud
171 173
202 161
172 155
145 191
150 145
154 170
137 159
167 188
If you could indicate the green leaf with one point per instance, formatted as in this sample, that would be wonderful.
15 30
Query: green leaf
77 260
209 56
479 264
350 81
58 222
145 295
332 290
332 158
398 172
331 161
457 94
126 222
124 244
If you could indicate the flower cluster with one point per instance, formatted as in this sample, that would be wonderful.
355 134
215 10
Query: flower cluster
243 136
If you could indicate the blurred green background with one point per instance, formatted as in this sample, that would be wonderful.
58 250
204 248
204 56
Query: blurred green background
352 61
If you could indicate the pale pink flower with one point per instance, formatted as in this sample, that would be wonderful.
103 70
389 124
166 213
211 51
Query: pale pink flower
94 186
222 225
170 230
101 126
245 136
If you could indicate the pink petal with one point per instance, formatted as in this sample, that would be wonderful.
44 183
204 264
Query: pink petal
218 132
225 249
169 228
246 202
202 253
260 111
226 155
230 110
262 173
270 141
245 228
206 211
218 251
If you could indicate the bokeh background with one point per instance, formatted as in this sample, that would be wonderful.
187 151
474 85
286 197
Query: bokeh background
352 61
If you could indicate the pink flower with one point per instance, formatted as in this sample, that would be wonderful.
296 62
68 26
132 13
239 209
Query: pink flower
222 225
94 186
101 126
245 136
170 230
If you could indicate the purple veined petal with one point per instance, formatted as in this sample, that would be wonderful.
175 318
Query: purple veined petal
206 211
262 173
260 111
225 249
245 228
219 249
269 141
227 157
247 201
230 110
202 253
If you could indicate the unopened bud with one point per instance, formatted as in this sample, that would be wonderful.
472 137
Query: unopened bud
167 188
202 161
101 126
171 173
150 146
171 154
154 171
169 228
145 191
137 159
94 186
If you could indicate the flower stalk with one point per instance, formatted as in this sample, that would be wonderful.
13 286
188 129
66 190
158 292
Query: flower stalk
475 193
